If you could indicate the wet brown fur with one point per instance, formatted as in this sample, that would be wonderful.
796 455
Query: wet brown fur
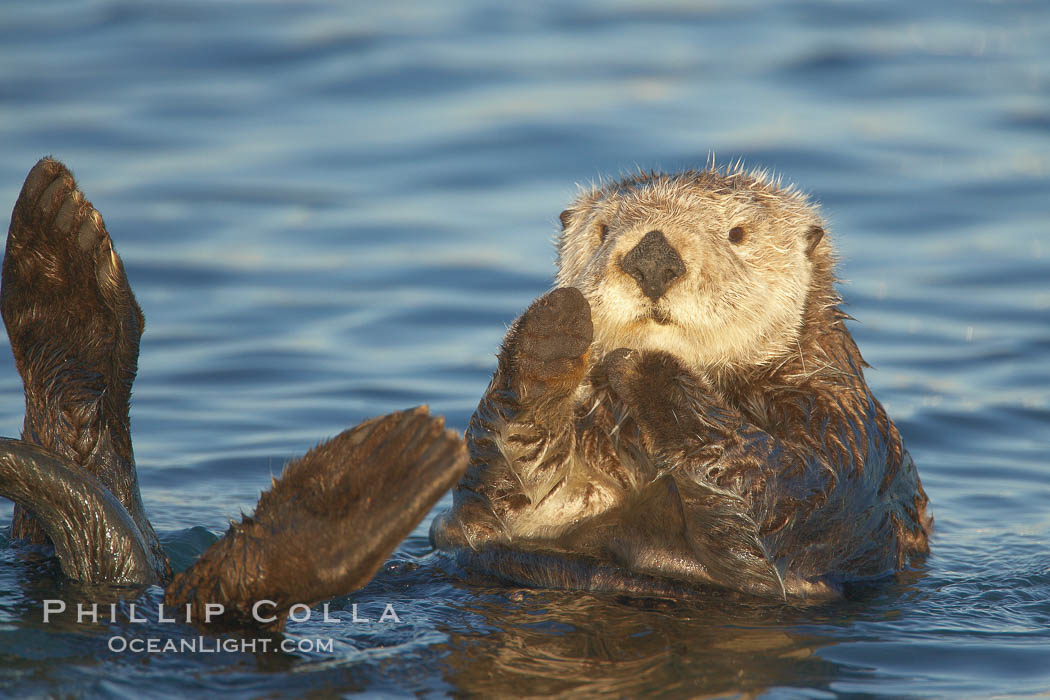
74 327
780 476
321 531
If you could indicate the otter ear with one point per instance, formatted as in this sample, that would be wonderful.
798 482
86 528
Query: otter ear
813 237
566 218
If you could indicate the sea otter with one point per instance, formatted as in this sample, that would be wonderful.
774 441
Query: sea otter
321 531
687 409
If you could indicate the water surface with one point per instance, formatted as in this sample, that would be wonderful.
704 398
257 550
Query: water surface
329 211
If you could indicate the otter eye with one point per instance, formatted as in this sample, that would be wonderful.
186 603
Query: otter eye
737 234
603 231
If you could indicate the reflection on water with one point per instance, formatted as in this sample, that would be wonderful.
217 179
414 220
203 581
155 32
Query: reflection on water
548 643
330 211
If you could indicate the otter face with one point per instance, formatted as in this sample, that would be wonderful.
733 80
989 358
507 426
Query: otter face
713 268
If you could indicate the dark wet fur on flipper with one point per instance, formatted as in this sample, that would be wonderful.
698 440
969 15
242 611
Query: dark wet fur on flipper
94 537
74 327
329 522
322 530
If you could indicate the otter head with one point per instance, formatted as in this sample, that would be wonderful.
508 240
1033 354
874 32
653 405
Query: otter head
714 268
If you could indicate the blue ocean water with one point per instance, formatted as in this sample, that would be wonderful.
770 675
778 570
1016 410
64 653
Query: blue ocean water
332 210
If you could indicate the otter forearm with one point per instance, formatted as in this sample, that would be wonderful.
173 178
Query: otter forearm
524 427
512 447
523 433
803 488
702 438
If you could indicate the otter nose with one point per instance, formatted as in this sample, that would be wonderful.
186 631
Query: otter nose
654 264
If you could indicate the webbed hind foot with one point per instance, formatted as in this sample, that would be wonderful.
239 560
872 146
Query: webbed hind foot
74 327
327 524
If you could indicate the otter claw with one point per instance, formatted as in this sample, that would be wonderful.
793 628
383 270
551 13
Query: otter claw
619 367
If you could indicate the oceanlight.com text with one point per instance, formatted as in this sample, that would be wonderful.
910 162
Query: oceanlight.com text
211 645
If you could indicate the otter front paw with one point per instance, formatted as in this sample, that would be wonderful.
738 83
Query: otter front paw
550 344
658 389
639 377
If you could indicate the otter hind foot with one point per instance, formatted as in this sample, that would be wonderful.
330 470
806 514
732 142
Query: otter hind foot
328 523
61 272
74 327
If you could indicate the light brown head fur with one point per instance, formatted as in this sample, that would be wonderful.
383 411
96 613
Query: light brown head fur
752 253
